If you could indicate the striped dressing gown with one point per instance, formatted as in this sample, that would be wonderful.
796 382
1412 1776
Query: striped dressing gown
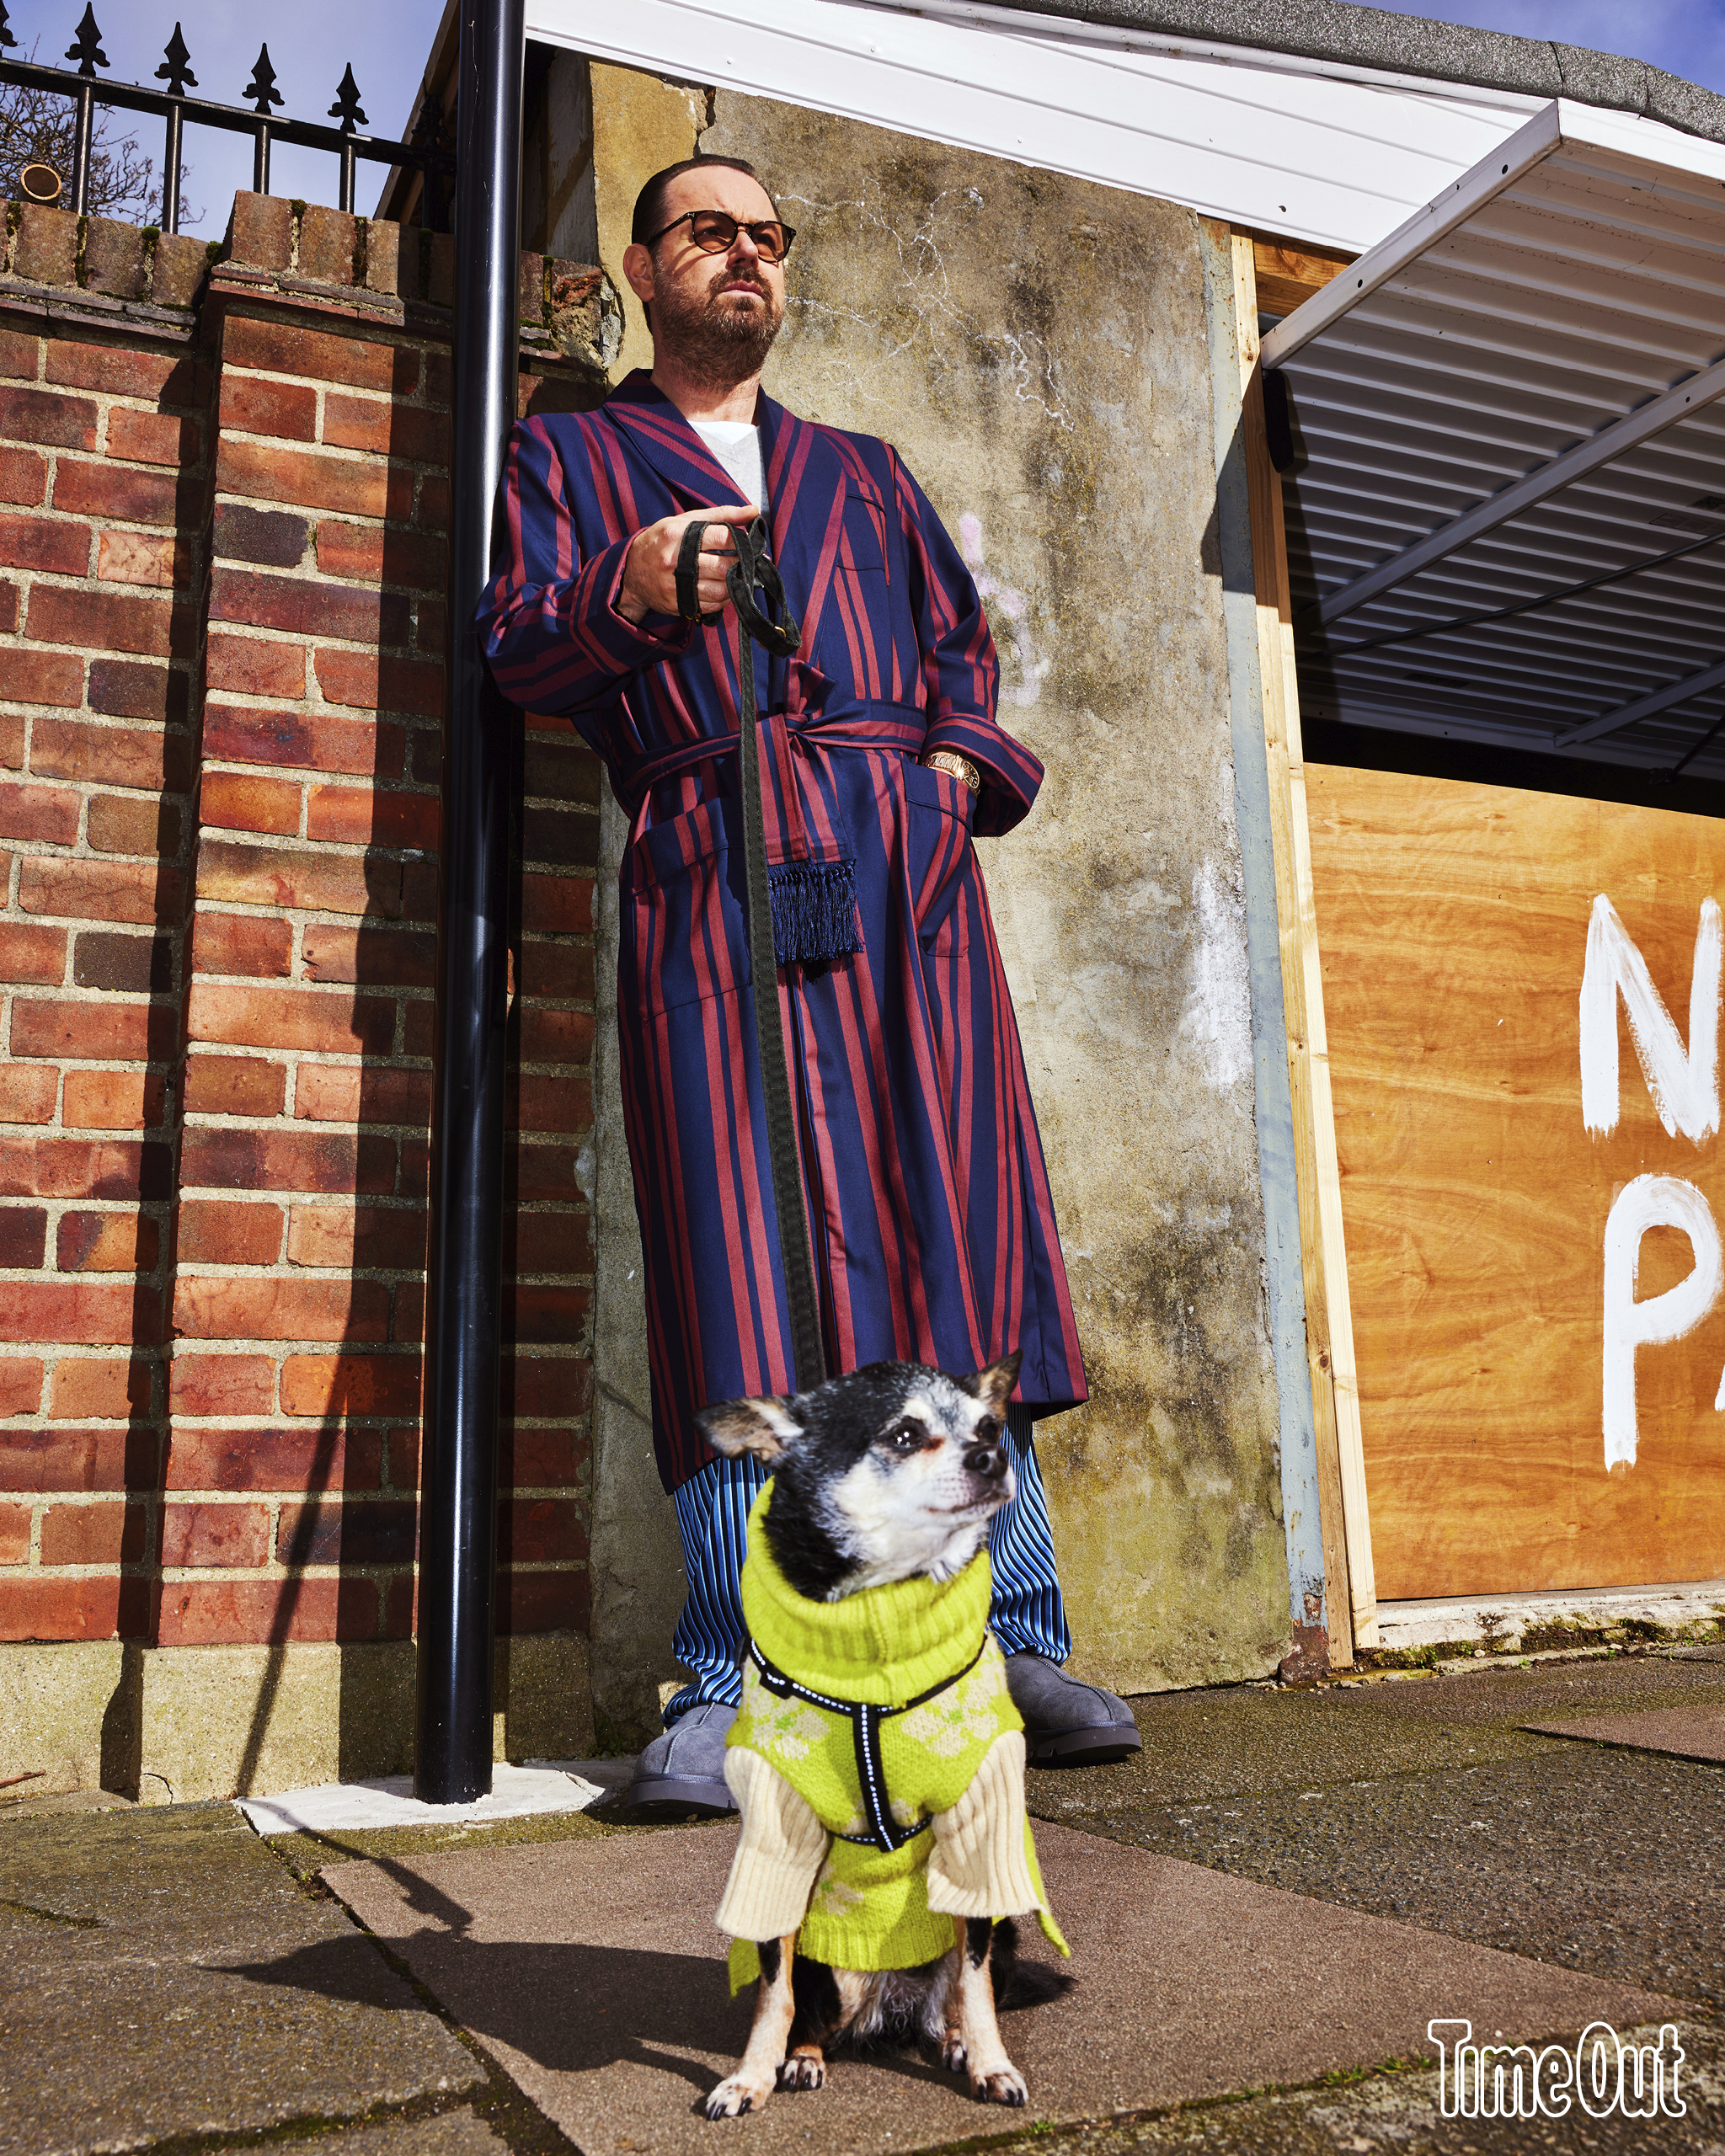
928 1202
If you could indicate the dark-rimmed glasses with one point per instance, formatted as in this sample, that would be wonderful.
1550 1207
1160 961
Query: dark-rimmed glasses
714 232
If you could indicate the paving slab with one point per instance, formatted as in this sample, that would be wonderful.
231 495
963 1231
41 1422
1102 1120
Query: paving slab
456 2133
1685 1732
593 1973
162 1976
543 1786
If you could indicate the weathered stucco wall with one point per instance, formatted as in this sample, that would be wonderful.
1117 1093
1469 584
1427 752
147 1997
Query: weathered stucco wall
1036 347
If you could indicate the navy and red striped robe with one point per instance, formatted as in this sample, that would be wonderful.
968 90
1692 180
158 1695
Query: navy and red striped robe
928 1201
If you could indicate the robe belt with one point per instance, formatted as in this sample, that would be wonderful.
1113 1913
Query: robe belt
900 726
865 1719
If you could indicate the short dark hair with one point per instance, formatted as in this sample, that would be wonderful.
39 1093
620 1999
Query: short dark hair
649 203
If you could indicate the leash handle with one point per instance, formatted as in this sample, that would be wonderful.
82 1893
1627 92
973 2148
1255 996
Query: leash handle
752 570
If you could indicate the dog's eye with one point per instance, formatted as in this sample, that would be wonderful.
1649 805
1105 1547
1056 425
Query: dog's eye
987 1432
909 1437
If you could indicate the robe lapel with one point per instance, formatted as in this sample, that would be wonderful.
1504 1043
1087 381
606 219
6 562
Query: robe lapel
805 487
657 432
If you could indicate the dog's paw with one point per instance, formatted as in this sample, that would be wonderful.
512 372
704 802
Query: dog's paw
732 2098
803 2070
952 2055
1006 2086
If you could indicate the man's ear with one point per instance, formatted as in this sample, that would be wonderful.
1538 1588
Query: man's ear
993 1386
637 268
765 1428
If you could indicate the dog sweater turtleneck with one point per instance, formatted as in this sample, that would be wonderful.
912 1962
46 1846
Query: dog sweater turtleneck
878 1763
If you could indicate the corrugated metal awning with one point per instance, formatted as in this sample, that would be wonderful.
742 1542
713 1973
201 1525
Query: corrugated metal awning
1515 399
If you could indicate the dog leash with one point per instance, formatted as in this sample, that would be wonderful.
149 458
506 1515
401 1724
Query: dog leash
884 1831
753 570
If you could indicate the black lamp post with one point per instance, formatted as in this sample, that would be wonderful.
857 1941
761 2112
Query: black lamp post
457 1542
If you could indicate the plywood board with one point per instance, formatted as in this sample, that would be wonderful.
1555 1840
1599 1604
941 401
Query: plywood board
1453 926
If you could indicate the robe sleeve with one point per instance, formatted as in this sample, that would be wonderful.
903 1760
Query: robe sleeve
961 673
549 619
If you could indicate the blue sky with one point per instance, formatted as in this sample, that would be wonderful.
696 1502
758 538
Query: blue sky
387 41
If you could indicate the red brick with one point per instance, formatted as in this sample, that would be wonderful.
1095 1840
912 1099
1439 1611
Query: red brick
21 1386
434 502
277 1160
240 943
233 1613
125 688
164 377
215 1534
366 1235
48 1608
529 1459
542 1602
205 1309
113 493
287 738
292 1018
118 1458
369 554
153 438
553 1316
23 477
109 620
161 558
77 1314
352 486
42 677
333 1092
18 353
296 876
32 954
368 682
538 1530
120 823
221 1384
286 409
114 1100
44 812
15 1534
561 1037
395 430
408 1329
351 1384
96 1031
130 965
362 815
237 801
328 244
305 608
108 1388
10 608
432 627
554 904
102 890
295 1459
76 1168
240 534
235 1085
114 755
563 1103
214 1232
23 1237
106 1242
391 958
562 771
40 415
27 1094
11 730
89 1534
347 1535
260 233
554 1242
275 348
254 667
554 1386
48 545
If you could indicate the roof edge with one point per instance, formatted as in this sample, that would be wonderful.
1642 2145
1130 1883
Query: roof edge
1339 31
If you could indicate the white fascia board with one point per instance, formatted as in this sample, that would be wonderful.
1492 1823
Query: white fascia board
1336 161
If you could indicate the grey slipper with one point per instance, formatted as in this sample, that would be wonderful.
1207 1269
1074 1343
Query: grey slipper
683 1771
1068 1723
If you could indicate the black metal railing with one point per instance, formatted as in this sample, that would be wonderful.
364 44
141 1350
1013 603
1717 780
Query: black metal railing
425 150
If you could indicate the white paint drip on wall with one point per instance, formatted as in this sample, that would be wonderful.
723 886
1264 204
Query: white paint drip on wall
1685 1085
1651 1202
1010 604
1218 1014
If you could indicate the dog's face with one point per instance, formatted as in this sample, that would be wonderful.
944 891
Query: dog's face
892 1473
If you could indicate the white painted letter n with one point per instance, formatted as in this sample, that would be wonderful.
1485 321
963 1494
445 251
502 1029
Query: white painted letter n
1685 1085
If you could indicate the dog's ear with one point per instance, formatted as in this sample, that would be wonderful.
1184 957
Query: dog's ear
763 1426
993 1386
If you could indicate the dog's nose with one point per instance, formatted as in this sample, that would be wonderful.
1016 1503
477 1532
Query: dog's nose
985 1460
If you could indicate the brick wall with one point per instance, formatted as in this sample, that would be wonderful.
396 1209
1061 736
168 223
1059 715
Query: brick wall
222 504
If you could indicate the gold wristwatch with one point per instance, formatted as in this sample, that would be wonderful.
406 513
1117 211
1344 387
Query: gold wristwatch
961 767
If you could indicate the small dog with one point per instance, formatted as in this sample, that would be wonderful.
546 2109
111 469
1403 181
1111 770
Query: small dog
888 1475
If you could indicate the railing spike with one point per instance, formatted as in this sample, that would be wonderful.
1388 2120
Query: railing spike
347 107
176 70
86 46
6 36
262 85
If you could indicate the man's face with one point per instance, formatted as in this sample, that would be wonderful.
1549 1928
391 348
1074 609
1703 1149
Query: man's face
717 313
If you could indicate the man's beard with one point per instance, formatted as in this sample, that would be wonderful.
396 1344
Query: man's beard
718 344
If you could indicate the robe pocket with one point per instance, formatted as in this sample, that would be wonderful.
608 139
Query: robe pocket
937 855
682 930
865 534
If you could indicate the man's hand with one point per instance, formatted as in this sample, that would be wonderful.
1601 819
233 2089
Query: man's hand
650 574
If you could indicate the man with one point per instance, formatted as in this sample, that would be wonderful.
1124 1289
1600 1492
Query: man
933 1231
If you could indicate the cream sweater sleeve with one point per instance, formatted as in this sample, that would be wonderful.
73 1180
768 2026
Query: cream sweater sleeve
779 1856
978 1866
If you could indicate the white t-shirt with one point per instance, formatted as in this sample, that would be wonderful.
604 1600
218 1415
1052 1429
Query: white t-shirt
736 443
